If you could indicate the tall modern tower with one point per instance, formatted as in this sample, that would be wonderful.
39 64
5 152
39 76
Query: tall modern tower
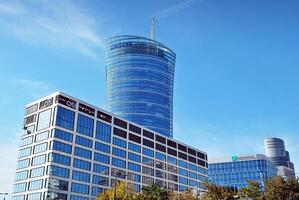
139 81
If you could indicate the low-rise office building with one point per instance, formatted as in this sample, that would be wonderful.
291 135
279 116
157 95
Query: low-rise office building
235 171
73 150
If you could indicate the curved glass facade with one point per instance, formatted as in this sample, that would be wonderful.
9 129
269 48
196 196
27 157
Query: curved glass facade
139 81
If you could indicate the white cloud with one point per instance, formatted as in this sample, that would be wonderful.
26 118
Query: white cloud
174 9
34 88
59 24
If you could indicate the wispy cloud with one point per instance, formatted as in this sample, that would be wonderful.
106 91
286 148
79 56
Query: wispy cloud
174 9
34 88
60 24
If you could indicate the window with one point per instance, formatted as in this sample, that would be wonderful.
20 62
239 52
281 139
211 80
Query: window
18 197
37 160
134 147
160 156
160 165
59 146
148 143
84 153
44 119
160 139
101 169
42 136
183 172
21 175
182 164
31 109
58 171
35 185
134 138
103 132
81 164
171 151
171 143
119 142
192 167
80 188
85 125
119 132
171 160
120 123
119 152
26 141
36 172
160 147
191 151
101 158
119 163
81 176
148 171
182 148
133 177
134 167
134 157
56 133
147 180
65 118
95 191
29 129
172 177
202 170
193 175
148 161
83 141
183 180
148 134
40 148
160 174
55 195
192 183
20 187
102 147
172 169
56 184
23 163
61 159
100 180
148 152
134 129
30 119
24 152
34 196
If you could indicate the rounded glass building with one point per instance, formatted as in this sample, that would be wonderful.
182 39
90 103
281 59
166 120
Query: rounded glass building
139 81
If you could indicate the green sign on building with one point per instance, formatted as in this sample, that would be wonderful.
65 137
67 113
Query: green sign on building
234 158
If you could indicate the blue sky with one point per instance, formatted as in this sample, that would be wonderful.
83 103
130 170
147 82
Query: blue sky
236 76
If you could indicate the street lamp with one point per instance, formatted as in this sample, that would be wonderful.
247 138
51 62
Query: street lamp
4 194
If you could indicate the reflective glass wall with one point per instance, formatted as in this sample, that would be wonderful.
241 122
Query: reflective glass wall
139 81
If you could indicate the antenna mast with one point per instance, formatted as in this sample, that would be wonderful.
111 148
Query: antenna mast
153 29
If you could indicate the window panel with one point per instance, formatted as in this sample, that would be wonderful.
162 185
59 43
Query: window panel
134 167
56 184
34 196
23 163
148 161
44 119
100 180
81 164
101 158
148 152
40 148
26 141
35 185
80 188
119 152
119 142
101 169
37 160
58 171
36 172
134 157
84 141
56 133
24 152
119 163
160 156
85 125
19 187
59 146
103 132
65 118
134 177
102 147
134 147
58 158
81 176
42 136
21 175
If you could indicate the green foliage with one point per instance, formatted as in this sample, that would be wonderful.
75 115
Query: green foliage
215 192
252 191
154 192
281 189
123 191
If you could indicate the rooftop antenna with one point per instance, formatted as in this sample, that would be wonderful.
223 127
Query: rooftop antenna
153 29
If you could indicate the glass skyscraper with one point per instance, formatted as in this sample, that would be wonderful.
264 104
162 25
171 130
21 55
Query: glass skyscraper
71 150
139 81
234 172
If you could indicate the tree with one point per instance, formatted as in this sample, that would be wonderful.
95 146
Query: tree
215 192
281 189
154 192
185 195
252 191
123 191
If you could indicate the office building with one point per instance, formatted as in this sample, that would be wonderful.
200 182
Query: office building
73 150
139 81
275 150
235 171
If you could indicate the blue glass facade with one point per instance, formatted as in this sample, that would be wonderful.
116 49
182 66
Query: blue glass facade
236 173
80 149
140 74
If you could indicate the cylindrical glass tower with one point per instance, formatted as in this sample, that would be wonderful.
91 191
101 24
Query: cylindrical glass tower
139 81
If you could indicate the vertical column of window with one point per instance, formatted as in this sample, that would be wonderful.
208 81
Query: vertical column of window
103 132
44 119
65 118
85 125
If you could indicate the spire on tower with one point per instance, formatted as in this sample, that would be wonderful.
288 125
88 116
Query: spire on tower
153 29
